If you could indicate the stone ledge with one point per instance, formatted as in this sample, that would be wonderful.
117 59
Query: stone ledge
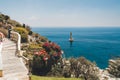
1 68
1 71
1 62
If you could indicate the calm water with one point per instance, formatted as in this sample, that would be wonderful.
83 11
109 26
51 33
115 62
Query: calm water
96 44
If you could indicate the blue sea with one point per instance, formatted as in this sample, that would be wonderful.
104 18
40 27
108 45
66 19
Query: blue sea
96 44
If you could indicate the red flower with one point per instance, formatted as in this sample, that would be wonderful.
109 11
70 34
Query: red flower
46 44
42 52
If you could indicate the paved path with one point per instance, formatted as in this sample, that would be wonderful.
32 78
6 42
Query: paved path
13 67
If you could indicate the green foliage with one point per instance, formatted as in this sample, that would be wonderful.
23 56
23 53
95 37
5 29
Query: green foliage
43 39
1 16
56 70
35 46
52 78
18 25
40 67
44 59
24 38
66 72
28 28
4 17
81 67
30 33
23 32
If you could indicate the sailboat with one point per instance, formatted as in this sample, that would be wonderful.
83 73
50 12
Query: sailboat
71 39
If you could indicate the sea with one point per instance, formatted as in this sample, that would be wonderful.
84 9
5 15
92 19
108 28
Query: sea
97 44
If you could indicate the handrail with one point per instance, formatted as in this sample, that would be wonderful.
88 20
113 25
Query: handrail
18 40
19 45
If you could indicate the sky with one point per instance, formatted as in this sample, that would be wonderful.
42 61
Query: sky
63 13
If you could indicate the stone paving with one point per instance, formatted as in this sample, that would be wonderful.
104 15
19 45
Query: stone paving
13 67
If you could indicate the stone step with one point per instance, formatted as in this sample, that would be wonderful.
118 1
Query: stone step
12 71
10 45
13 67
6 43
18 76
1 78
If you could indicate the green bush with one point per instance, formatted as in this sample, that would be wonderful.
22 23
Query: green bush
30 33
34 47
81 67
23 32
24 38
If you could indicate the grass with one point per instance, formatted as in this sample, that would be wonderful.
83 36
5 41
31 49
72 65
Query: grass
51 78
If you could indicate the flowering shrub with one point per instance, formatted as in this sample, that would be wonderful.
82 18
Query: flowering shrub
46 57
52 48
43 54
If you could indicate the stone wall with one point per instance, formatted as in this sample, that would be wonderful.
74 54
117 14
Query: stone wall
1 65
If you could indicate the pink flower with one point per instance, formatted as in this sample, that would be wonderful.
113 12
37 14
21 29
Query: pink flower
45 58
36 53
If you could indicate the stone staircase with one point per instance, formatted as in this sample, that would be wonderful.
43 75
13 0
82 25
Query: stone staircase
13 67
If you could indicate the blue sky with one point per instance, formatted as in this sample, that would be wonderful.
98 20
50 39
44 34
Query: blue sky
63 13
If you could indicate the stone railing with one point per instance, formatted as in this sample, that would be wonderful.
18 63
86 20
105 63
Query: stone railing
16 37
1 65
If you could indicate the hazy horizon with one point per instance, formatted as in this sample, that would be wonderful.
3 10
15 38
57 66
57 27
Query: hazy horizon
75 26
63 13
